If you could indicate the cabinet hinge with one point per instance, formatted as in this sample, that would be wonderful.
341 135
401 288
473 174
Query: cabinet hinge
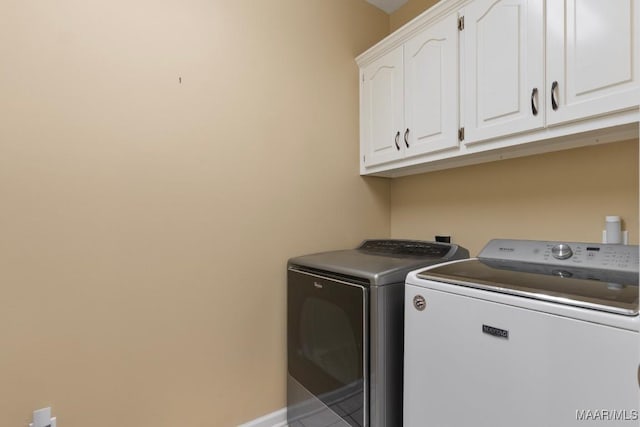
461 23
461 134
364 159
362 77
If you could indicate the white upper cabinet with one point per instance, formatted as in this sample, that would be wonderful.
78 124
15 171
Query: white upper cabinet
381 109
431 89
503 74
409 97
592 58
508 78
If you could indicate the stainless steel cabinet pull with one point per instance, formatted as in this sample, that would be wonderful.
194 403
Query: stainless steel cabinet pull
406 134
534 98
554 101
397 138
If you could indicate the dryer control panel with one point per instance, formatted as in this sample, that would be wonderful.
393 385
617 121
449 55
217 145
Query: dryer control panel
569 254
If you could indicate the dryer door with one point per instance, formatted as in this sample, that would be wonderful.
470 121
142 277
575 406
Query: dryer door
326 341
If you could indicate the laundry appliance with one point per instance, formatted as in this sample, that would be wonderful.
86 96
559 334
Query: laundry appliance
529 334
345 331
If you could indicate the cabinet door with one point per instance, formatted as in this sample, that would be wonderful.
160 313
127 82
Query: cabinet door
431 89
592 58
503 68
381 112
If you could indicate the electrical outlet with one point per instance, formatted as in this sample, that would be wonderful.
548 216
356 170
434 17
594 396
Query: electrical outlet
625 237
42 418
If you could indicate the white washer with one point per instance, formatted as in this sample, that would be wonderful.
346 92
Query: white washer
529 334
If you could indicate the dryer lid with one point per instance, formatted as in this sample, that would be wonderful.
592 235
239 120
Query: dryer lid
381 262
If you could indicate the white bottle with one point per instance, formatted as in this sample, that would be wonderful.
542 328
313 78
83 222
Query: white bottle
613 230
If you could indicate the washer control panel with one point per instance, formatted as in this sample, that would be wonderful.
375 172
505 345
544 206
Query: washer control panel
570 254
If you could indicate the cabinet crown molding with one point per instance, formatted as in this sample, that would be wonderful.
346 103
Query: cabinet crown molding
436 12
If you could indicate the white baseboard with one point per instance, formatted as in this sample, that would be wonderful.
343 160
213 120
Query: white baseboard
274 419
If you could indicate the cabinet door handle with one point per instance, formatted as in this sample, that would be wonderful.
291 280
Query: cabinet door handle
406 135
534 99
397 138
554 101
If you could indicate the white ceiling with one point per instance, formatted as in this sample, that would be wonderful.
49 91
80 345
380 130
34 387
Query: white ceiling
388 6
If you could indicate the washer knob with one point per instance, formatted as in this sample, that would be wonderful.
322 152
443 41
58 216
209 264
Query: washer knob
561 251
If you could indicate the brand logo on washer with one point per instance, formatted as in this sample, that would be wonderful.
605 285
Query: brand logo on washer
507 249
496 332
318 285
419 302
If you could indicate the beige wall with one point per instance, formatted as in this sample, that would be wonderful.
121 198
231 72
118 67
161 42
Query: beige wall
557 196
145 224
408 11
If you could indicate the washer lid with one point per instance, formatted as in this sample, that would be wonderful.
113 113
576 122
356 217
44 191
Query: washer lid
604 290
381 262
